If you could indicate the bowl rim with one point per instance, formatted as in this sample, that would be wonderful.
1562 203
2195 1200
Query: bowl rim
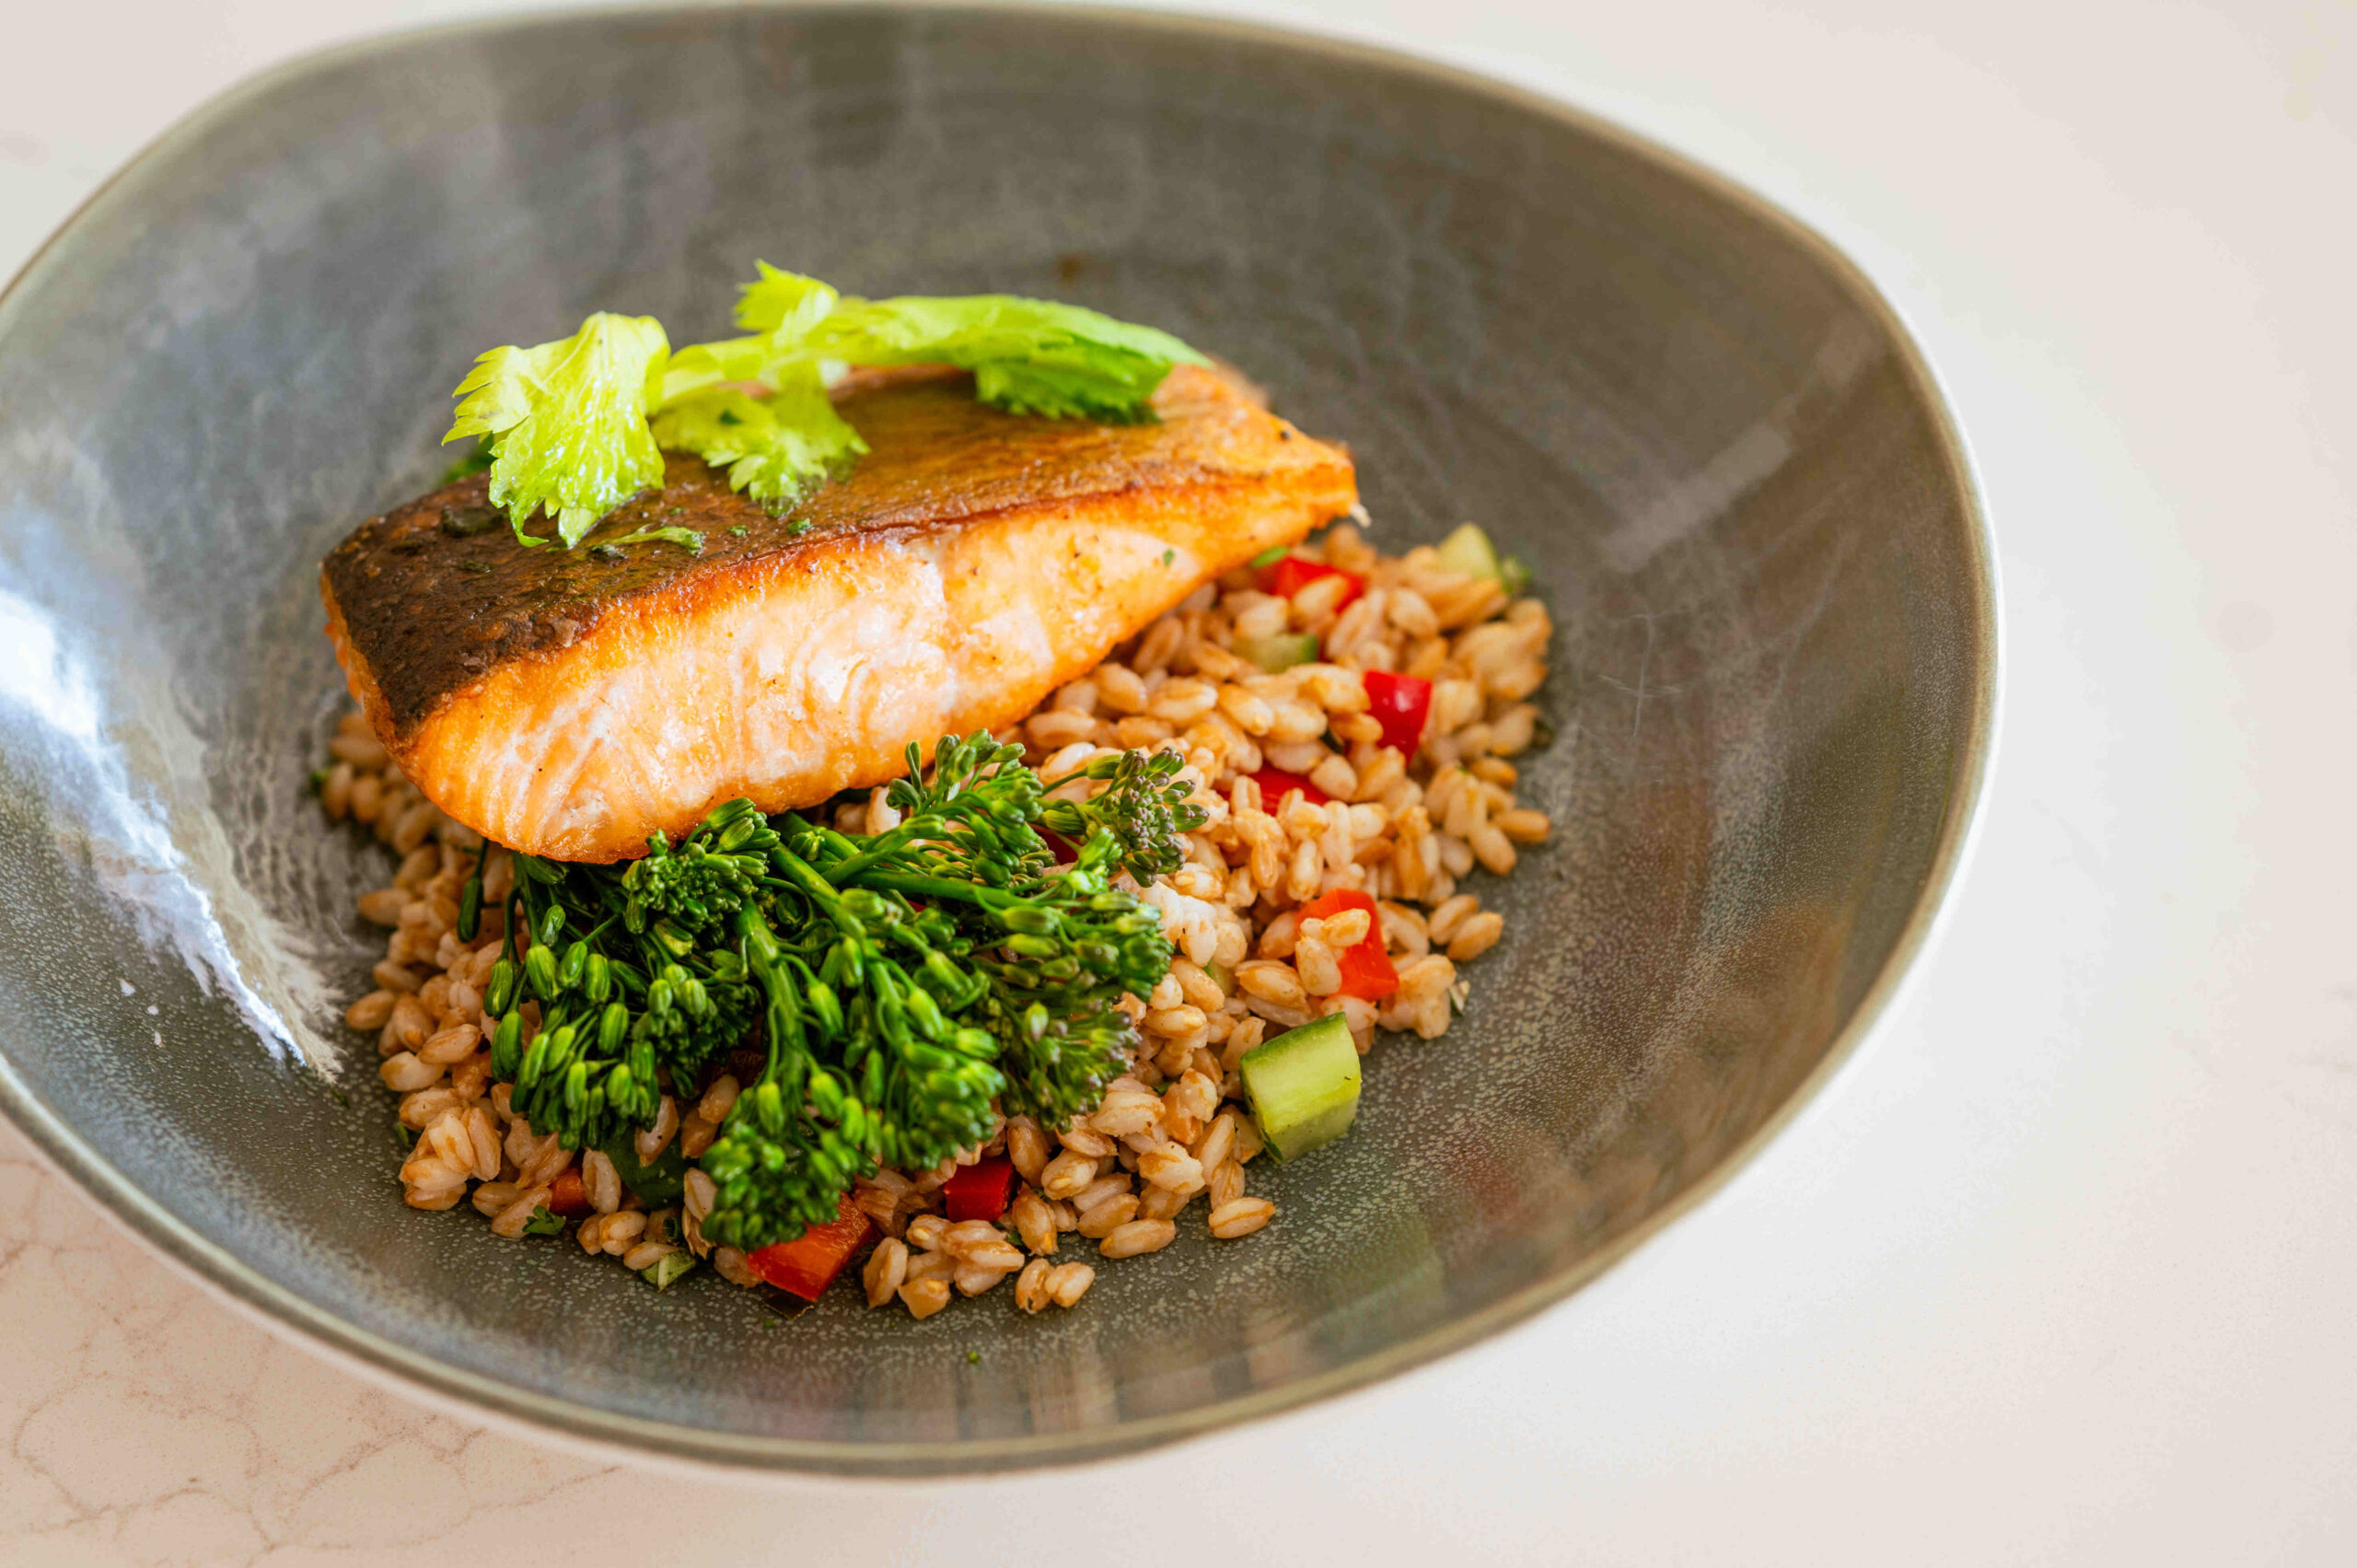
227 1278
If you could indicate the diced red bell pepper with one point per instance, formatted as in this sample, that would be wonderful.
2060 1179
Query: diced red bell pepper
1367 967
1400 703
568 1196
1275 782
1293 573
980 1190
808 1264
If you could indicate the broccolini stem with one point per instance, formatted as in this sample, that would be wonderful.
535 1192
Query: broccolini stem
912 886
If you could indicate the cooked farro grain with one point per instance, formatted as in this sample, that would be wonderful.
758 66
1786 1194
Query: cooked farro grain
591 1233
1476 936
603 1183
1067 1283
371 1012
1104 1218
645 1255
1406 828
1027 1146
931 1266
1138 1235
1085 1141
648 1146
511 1220
402 1072
1034 1221
1065 1176
1241 1216
696 1133
1164 1203
882 1208
887 1266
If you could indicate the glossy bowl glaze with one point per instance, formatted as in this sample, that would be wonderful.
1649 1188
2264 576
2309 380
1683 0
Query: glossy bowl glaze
1768 713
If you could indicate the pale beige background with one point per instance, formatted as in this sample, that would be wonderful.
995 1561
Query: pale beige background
2062 1271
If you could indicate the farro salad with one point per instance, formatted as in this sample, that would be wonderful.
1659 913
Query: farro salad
918 850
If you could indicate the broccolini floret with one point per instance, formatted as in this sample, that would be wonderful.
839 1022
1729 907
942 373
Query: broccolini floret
897 985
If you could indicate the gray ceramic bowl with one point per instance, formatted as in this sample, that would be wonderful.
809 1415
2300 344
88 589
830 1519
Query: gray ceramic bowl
1714 442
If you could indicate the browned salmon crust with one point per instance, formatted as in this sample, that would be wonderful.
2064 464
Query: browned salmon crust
568 704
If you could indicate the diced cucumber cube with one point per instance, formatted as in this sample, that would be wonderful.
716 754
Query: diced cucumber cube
1304 1085
1281 652
668 1267
1468 551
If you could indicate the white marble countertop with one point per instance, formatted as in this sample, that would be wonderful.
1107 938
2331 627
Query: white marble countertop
2062 1268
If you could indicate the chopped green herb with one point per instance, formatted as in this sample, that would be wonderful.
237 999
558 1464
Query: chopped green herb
316 780
686 539
544 1222
407 1135
474 566
739 532
1169 556
1270 556
973 1358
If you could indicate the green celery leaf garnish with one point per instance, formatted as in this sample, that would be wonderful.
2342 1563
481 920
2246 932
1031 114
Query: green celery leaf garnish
785 306
577 426
1034 356
776 449
780 309
569 419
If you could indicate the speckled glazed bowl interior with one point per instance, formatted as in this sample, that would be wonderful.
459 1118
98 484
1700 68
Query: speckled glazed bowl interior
1714 444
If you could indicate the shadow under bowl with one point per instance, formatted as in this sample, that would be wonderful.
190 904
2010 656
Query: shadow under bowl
1713 442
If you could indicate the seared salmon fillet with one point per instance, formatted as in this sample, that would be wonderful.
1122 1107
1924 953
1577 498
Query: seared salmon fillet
569 703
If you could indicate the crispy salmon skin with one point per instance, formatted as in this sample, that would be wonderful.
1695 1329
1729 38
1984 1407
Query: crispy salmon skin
569 703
